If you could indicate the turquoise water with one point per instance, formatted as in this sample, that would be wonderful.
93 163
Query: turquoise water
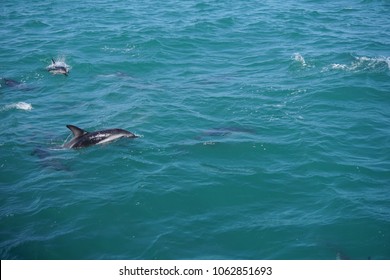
264 130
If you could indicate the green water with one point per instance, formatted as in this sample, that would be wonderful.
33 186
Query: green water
264 130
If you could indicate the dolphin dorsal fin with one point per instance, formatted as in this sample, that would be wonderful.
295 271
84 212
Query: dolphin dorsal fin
52 60
76 130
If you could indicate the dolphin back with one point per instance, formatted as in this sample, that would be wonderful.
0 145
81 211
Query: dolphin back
77 132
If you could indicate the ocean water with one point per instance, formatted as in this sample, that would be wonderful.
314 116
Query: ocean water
264 129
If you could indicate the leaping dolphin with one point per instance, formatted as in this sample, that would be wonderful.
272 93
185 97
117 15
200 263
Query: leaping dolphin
82 138
58 67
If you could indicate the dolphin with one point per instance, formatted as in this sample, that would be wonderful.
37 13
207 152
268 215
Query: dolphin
224 131
14 84
58 67
11 83
82 138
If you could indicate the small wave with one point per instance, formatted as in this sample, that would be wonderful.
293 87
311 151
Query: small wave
20 106
125 50
299 58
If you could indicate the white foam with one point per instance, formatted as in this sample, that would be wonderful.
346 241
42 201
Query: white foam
337 66
20 106
59 62
363 63
127 49
373 62
23 106
299 58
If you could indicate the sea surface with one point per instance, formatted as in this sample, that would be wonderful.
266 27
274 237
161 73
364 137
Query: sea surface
264 129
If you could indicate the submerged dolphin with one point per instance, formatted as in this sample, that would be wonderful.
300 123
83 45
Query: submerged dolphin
14 84
47 159
224 131
58 67
11 83
82 138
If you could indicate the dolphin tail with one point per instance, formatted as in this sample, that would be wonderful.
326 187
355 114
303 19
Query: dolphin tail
76 130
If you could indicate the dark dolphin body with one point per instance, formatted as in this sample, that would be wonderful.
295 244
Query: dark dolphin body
14 84
82 138
11 83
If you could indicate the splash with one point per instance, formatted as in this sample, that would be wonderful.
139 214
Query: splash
59 66
374 63
61 60
127 49
363 64
337 66
19 106
299 58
